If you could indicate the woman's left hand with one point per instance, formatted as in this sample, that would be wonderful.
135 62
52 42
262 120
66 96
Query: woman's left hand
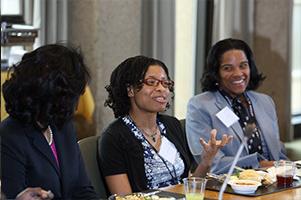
212 146
36 193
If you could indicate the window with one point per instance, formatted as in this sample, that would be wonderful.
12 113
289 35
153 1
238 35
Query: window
296 59
12 11
11 7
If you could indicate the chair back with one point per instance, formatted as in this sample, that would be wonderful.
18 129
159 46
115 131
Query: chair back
88 148
193 163
183 124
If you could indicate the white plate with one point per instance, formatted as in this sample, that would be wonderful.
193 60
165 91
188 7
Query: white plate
238 187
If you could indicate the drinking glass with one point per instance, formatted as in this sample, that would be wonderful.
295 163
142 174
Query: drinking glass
285 171
194 188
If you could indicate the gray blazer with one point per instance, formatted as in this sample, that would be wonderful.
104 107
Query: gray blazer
201 118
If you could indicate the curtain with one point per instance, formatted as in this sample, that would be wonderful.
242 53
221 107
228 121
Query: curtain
233 18
158 33
205 10
51 17
219 19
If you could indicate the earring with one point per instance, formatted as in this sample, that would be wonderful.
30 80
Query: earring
130 92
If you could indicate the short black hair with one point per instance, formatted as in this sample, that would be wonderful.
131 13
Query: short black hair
210 77
45 85
130 72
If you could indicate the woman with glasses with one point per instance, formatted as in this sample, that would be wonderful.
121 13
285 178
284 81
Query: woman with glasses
143 149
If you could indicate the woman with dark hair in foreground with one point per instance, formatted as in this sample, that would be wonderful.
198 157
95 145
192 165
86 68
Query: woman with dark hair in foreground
228 82
143 149
38 140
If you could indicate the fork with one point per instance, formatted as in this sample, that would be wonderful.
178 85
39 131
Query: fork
220 178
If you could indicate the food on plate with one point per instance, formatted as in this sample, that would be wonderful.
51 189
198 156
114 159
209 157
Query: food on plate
272 171
260 176
246 183
244 186
233 177
250 174
267 179
136 196
140 196
156 197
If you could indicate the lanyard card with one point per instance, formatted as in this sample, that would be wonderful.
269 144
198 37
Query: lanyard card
227 116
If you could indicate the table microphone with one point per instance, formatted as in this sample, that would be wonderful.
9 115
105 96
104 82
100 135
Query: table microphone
248 131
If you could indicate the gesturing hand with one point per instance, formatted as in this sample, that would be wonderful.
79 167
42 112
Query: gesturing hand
34 194
212 146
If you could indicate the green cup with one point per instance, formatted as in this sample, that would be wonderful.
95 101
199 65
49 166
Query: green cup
194 188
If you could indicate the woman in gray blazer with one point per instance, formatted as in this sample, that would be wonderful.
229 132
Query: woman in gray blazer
229 104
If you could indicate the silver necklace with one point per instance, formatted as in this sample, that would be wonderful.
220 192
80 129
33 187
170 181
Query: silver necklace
152 135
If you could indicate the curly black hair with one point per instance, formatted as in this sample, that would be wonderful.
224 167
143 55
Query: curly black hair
130 72
45 85
210 77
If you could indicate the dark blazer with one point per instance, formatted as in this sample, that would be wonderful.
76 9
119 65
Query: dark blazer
27 161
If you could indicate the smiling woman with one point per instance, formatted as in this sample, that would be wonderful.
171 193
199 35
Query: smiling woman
228 81
234 72
143 149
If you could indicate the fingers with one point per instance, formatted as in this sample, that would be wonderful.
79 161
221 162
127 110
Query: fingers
225 140
213 143
213 137
266 163
229 139
42 194
50 195
46 194
203 143
212 140
34 193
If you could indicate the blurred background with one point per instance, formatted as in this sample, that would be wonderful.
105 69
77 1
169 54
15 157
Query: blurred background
178 32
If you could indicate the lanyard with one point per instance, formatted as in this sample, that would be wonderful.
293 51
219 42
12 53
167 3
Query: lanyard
142 139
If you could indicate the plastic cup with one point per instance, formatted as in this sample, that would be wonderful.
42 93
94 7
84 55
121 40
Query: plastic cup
285 171
194 188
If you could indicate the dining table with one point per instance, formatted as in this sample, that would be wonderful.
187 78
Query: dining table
288 194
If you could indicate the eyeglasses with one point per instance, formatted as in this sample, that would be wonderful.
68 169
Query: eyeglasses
155 82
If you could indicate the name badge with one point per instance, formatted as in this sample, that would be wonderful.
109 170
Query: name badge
227 116
168 150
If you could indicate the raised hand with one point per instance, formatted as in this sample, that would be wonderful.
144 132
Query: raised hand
212 146
210 150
